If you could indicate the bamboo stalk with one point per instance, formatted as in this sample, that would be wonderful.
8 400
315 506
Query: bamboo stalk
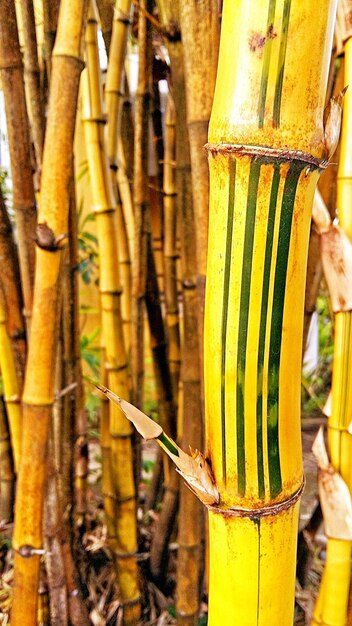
51 15
39 383
106 15
170 247
32 78
113 94
7 476
266 145
11 72
141 204
12 392
332 603
125 546
200 35
11 289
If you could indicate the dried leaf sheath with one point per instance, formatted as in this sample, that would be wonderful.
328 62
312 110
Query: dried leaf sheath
264 154
38 390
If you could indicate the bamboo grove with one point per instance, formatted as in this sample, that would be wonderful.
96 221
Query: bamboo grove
175 209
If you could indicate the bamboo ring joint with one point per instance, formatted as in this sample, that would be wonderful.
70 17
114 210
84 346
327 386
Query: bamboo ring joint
263 151
266 511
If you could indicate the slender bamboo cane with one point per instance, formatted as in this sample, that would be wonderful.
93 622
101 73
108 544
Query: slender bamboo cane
190 519
156 174
332 603
167 413
12 391
39 383
11 289
51 14
141 204
200 35
32 78
11 71
7 476
53 558
170 247
113 93
120 431
266 145
106 15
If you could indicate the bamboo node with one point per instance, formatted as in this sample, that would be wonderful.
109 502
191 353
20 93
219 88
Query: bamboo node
45 238
265 511
265 151
27 551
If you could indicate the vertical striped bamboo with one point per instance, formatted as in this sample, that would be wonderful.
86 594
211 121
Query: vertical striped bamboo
11 71
116 364
331 607
39 383
266 145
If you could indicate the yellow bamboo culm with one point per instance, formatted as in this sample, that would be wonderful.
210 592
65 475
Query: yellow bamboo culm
12 393
39 381
266 146
124 542
332 603
113 99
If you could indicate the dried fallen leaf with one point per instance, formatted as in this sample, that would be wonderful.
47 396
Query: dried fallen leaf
320 214
335 498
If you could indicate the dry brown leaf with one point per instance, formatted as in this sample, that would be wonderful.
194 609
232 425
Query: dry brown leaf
144 424
336 256
194 469
335 498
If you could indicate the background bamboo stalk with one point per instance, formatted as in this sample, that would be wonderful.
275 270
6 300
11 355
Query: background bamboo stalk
199 24
12 391
11 71
170 247
106 15
141 203
7 476
32 79
12 293
124 549
39 383
113 94
333 595
51 15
